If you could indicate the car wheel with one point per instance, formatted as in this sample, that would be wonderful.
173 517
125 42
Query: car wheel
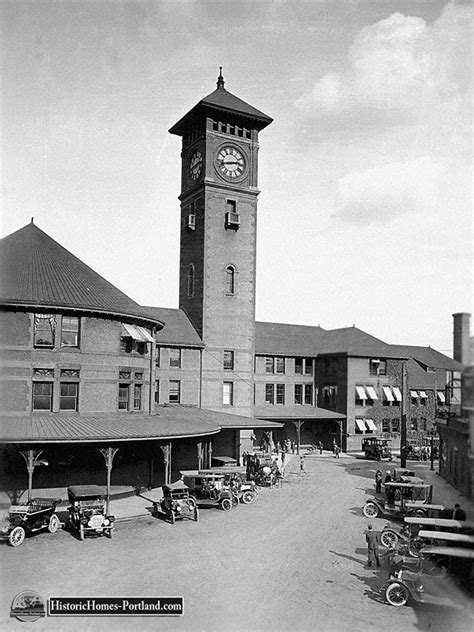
54 523
81 532
389 539
17 536
192 502
419 513
414 548
226 504
235 501
397 594
248 497
370 510
196 514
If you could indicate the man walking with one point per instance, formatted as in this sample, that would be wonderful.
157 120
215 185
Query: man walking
302 470
373 539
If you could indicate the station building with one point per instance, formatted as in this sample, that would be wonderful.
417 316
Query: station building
84 365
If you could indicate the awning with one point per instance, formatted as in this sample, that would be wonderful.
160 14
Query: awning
361 394
371 425
388 393
371 392
137 333
397 393
423 395
414 394
360 424
441 397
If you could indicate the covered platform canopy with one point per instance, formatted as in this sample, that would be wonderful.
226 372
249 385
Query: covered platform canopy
170 422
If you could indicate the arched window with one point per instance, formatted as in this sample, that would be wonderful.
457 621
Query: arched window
230 281
190 280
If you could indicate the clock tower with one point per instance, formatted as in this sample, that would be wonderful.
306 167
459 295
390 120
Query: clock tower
218 241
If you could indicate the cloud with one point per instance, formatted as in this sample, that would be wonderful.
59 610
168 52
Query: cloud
399 67
383 194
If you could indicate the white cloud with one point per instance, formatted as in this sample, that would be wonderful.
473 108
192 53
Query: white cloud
383 194
400 66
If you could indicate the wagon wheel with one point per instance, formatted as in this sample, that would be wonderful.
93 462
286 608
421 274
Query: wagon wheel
397 594
81 532
54 523
248 497
196 514
17 536
389 539
370 510
226 504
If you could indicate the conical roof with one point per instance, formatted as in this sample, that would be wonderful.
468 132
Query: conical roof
222 101
37 271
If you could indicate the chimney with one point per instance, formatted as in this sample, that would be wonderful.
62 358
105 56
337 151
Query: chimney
461 333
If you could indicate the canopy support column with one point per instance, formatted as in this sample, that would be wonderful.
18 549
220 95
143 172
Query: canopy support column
32 459
167 459
108 454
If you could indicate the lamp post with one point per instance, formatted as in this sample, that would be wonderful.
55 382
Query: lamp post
32 459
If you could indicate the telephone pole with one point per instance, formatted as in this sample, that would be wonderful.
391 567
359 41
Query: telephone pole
403 420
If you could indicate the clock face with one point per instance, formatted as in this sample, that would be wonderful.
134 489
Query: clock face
195 165
230 162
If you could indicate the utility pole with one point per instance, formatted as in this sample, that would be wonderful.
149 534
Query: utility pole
434 424
403 420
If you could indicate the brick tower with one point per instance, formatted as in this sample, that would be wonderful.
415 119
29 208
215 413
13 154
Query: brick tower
218 241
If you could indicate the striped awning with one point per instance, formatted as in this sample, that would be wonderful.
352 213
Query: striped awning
388 394
371 425
371 392
361 394
360 423
140 334
397 393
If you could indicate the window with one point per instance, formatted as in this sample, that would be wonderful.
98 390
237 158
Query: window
308 394
231 206
230 281
137 396
414 424
414 398
44 331
157 391
269 365
304 366
157 356
395 425
70 331
298 393
228 394
279 365
329 395
43 396
377 366
269 393
386 425
174 393
388 398
134 338
423 398
124 396
280 393
68 399
190 280
43 372
360 426
175 358
360 396
228 360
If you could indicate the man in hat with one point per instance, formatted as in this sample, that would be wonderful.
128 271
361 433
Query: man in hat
373 540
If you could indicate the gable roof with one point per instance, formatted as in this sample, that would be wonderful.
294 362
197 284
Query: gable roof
429 357
222 101
178 329
352 341
39 272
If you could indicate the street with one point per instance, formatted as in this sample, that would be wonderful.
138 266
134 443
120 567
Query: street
293 560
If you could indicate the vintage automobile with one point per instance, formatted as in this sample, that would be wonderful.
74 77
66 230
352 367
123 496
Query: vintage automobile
235 478
177 503
376 448
23 520
210 489
87 511
441 575
403 475
394 501
427 537
407 535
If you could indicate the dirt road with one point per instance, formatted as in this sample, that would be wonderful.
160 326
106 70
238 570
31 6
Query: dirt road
292 561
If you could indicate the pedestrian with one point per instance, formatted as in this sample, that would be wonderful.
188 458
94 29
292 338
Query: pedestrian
320 446
334 445
388 477
373 539
378 481
287 446
292 447
337 449
302 470
283 457
458 512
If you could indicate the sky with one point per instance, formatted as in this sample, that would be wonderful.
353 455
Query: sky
365 210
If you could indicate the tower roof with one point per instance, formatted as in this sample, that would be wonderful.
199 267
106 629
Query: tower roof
39 272
218 102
